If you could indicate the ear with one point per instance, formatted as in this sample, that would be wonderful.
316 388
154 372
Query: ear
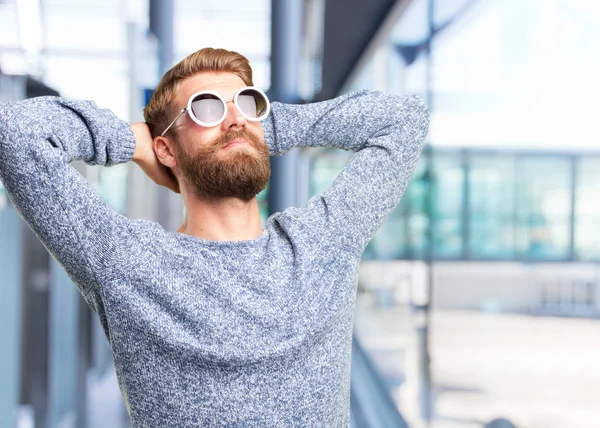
164 148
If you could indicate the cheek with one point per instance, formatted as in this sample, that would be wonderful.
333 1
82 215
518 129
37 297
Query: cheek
258 130
196 136
192 131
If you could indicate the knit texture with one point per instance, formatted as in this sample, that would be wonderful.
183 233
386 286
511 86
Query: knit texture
212 333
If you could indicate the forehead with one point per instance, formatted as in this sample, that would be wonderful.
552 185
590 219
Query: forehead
223 83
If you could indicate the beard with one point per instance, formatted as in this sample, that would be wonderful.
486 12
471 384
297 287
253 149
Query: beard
216 173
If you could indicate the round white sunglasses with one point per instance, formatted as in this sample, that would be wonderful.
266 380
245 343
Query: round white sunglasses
208 108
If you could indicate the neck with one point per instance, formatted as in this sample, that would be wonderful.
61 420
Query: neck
221 219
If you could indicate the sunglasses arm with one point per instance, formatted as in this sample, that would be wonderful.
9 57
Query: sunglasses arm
174 120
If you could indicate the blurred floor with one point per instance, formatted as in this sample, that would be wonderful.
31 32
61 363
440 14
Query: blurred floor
538 372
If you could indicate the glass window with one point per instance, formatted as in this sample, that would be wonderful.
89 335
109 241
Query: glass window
404 234
389 243
413 25
9 36
587 209
3 197
413 207
543 207
491 207
112 186
447 205
325 168
89 21
104 81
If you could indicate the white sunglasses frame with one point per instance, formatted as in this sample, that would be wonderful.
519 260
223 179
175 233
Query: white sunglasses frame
189 110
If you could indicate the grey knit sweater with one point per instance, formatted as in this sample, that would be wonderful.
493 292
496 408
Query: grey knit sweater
207 333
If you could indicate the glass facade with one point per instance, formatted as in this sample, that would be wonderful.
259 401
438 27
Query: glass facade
587 208
505 201
488 206
543 208
491 208
506 174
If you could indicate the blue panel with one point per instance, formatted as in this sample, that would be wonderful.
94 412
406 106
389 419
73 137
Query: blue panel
10 313
147 94
64 298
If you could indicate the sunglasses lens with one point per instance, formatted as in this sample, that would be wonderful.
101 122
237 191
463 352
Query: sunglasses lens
208 108
253 104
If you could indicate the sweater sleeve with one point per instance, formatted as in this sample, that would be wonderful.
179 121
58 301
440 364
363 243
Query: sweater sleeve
387 134
38 139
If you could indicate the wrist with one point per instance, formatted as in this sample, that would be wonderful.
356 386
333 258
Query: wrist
141 135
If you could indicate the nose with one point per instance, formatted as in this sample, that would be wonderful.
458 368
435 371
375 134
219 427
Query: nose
234 118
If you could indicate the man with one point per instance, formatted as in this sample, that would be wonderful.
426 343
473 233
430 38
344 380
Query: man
222 323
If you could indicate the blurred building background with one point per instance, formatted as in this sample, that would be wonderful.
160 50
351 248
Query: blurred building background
479 299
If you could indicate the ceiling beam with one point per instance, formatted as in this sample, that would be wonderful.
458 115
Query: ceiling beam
353 30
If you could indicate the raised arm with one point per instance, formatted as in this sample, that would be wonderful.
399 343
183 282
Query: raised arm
387 133
38 138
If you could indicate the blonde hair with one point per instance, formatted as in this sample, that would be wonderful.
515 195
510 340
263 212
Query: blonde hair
160 112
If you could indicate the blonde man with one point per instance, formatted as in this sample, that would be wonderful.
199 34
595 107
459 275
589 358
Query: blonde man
224 322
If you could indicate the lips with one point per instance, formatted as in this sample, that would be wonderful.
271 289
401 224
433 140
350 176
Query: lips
234 138
237 142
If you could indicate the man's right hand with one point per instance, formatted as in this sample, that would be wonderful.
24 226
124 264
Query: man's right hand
145 157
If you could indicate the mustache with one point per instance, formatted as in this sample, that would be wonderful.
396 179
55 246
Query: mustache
235 134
